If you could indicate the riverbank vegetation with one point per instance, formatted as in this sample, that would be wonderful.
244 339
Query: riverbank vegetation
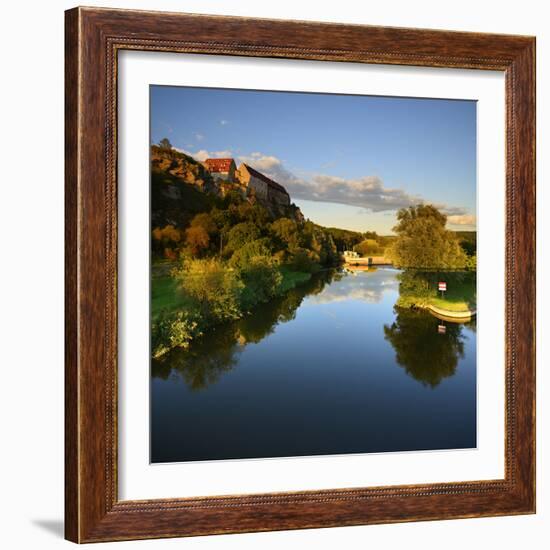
216 352
200 294
429 253
218 251
419 289
373 244
423 242
218 255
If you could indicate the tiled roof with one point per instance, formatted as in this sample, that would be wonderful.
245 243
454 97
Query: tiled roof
218 165
269 181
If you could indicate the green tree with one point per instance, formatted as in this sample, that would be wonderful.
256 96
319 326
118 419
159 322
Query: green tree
205 221
214 289
261 280
303 260
343 239
254 213
249 252
468 241
471 262
241 234
204 362
165 144
423 242
368 247
286 230
197 239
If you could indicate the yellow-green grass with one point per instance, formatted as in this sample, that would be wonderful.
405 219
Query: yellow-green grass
166 295
458 297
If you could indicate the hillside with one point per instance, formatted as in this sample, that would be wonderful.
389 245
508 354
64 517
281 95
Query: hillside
182 167
175 202
182 188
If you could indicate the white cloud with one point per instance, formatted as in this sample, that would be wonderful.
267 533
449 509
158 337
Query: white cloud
369 287
368 192
464 219
199 137
224 122
202 154
265 162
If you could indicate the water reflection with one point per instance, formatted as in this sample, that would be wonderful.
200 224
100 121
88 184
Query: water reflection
204 363
366 285
218 352
426 353
334 366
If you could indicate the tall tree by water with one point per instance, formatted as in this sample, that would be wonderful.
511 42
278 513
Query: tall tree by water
423 242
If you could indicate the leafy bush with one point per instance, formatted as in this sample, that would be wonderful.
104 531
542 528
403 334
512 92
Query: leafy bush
197 239
248 253
172 329
287 232
303 260
261 281
241 234
213 288
368 247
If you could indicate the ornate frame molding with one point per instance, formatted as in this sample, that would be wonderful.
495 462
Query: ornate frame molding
93 38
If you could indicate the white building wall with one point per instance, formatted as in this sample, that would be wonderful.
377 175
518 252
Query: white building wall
259 186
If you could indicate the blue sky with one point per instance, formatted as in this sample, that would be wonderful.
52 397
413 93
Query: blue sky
347 161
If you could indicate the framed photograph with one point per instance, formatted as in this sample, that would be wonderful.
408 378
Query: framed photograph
300 275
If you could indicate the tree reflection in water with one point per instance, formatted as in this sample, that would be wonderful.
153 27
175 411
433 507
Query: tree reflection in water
203 363
217 352
425 355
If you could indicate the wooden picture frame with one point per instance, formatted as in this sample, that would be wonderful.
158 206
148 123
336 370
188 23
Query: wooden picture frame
93 511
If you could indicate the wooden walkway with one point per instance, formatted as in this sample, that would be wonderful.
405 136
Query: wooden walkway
370 260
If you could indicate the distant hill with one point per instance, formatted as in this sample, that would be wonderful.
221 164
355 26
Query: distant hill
344 239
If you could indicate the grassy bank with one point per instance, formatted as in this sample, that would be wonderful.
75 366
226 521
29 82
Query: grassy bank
420 290
181 314
459 297
167 294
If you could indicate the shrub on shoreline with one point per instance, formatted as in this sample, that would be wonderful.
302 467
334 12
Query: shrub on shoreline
217 293
172 329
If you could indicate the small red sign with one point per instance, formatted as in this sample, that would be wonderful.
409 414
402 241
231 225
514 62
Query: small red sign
442 286
441 329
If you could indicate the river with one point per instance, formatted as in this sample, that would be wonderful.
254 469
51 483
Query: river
332 367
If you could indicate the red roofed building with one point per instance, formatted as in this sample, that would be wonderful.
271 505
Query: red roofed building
221 168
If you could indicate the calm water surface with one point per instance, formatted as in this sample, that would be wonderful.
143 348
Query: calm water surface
333 367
